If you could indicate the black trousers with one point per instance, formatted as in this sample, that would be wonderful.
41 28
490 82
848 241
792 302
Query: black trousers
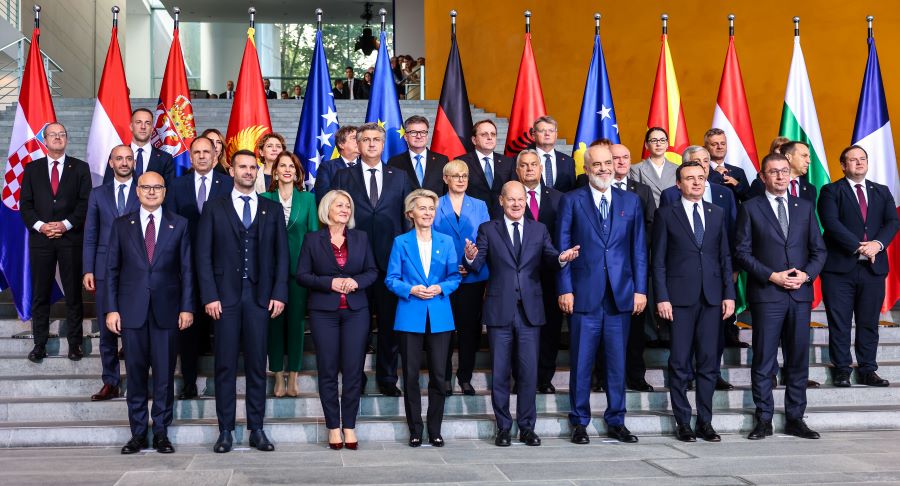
192 342
340 337
858 293
466 303
436 346
696 333
150 346
43 261
550 331
387 350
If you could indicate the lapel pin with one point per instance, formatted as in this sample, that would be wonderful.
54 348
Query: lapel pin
132 221
171 227
264 212
708 210
621 213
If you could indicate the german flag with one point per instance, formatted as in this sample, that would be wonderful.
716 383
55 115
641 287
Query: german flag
453 122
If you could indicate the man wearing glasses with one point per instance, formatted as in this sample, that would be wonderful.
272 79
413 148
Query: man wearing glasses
655 171
53 204
424 168
798 157
557 168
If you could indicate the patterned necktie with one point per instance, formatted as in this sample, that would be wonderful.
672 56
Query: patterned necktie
548 170
420 172
120 201
139 163
698 225
201 194
54 177
488 172
863 207
533 205
150 238
373 188
247 217
620 185
604 208
782 216
517 240
794 188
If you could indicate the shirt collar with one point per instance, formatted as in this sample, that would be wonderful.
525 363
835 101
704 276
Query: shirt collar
148 148
127 183
366 168
481 156
157 214
771 197
509 222
235 195
424 154
541 154
209 176
62 160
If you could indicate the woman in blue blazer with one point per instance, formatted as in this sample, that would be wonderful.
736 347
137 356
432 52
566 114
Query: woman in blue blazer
459 216
423 272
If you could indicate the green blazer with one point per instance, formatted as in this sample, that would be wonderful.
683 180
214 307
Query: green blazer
303 219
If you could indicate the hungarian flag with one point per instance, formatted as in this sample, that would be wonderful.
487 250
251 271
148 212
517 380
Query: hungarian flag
34 112
528 103
174 127
249 113
112 112
872 132
732 115
665 105
598 116
453 122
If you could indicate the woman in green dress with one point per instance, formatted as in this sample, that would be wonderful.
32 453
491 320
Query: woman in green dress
286 331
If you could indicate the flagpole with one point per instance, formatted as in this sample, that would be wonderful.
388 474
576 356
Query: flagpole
665 24
869 19
383 13
597 23
252 12
730 25
528 21
177 12
318 19
115 12
796 26
453 22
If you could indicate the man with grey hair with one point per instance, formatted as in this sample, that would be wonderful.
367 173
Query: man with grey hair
424 168
557 168
729 175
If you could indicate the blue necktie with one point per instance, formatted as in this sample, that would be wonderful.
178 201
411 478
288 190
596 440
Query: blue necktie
698 225
139 163
247 219
488 172
120 201
548 170
604 208
420 172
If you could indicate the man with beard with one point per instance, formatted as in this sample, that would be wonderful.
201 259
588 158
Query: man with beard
147 158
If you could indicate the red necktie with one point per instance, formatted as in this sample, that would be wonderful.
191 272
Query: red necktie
794 188
863 206
54 177
150 238
533 205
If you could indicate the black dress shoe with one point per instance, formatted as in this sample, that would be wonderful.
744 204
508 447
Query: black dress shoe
708 433
690 385
842 379
389 390
529 438
466 388
415 441
162 444
685 434
188 392
259 440
436 441
799 428
448 389
224 442
75 352
37 354
641 386
736 343
872 379
598 387
761 430
721 384
812 384
108 392
546 389
621 434
580 435
503 439
135 445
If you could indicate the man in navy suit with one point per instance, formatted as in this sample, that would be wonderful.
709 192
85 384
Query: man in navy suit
106 203
242 265
348 150
798 157
488 170
780 247
150 297
378 191
147 158
187 197
424 168
557 168
516 251
728 175
694 289
860 221
602 289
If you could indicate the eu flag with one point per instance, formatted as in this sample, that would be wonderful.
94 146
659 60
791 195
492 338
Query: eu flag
384 108
598 118
318 118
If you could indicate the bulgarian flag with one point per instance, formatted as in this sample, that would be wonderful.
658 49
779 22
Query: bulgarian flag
666 110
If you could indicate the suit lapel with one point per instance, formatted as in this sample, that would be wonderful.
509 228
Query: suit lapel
447 213
682 218
769 214
432 171
165 231
477 170
295 208
137 235
849 194
793 212
218 188
500 227
593 214
231 215
357 172
410 246
387 179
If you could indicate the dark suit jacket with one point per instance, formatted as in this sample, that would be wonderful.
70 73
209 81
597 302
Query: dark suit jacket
317 267
270 95
806 190
839 212
504 171
547 209
340 94
721 197
325 176
102 211
135 287
160 162
223 95
37 202
512 280
182 199
385 221
434 171
740 191
644 192
218 251
684 271
762 248
359 91
564 178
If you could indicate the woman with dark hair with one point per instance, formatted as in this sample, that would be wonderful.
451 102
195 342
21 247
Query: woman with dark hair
218 141
366 90
268 148
286 331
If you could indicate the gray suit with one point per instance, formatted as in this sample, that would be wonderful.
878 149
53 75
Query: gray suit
645 173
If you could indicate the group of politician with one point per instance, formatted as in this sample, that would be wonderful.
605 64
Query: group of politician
431 248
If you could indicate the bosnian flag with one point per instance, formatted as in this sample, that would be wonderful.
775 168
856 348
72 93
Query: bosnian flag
174 128
872 132
732 116
112 112
33 113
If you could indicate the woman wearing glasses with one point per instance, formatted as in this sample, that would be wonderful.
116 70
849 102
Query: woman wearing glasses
655 170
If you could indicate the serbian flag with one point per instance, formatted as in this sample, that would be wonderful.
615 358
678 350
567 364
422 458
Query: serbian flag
732 116
872 132
112 112
249 113
665 105
453 122
528 103
174 127
33 113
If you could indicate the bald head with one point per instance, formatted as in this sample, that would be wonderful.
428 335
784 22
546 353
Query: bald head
121 161
621 158
512 200
151 190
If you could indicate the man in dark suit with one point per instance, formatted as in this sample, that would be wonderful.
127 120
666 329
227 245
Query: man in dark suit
424 168
488 170
270 94
780 247
694 290
798 156
106 203
242 265
860 221
228 94
340 91
348 150
728 175
187 197
557 168
378 191
513 316
354 86
53 204
147 158
602 289
150 297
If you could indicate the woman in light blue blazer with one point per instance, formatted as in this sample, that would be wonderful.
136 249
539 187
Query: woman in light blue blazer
423 272
459 216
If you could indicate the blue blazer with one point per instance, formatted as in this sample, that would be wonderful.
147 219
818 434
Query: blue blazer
721 196
102 211
135 287
182 198
159 161
472 213
620 262
317 267
405 271
325 177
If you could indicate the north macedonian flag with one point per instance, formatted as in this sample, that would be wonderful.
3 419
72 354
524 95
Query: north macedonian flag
249 114
666 110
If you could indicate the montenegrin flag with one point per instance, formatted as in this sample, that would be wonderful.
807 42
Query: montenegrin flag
732 116
666 110
384 107
174 127
112 112
598 117
528 103
249 113
318 117
872 132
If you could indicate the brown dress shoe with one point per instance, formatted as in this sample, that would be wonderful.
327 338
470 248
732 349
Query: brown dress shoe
108 392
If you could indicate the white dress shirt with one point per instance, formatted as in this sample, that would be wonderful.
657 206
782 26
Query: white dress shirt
157 221
509 228
197 181
774 204
597 195
707 193
59 169
689 210
489 155
425 254
239 204
127 185
148 149
552 154
379 177
658 168
424 159
620 183
537 195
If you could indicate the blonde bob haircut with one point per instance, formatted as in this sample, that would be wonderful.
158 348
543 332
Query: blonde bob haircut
410 202
455 165
328 200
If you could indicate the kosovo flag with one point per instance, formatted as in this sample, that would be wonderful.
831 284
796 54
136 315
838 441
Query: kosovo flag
318 119
598 117
384 108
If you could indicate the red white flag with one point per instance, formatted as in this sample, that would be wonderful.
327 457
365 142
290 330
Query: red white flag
528 104
732 115
112 112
